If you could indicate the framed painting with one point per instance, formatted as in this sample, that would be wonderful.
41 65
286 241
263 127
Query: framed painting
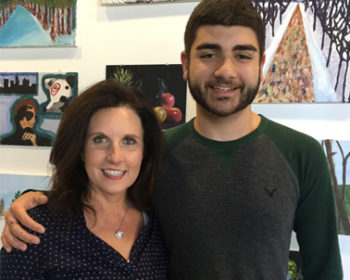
338 154
128 2
12 185
37 23
31 105
307 51
162 83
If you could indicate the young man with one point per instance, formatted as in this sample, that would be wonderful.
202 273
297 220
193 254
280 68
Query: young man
235 184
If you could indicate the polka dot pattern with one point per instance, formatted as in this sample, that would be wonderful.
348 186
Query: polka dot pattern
73 252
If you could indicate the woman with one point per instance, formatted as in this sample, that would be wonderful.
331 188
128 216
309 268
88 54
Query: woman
98 224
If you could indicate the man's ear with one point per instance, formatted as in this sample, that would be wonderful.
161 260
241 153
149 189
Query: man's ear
184 61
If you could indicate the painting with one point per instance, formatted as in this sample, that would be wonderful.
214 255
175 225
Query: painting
307 52
128 2
162 83
12 185
338 154
31 105
37 23
294 266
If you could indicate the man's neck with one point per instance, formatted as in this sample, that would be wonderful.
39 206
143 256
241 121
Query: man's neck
227 128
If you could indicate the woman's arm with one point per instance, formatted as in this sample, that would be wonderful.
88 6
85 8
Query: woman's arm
13 235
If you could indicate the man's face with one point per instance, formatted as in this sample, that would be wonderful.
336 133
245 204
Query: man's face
29 119
223 70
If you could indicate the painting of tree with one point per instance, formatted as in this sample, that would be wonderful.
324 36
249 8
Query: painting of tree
338 153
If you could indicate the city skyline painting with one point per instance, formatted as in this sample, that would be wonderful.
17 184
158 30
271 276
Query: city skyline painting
18 83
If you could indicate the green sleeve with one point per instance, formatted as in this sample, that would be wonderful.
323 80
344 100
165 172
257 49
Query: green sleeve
315 218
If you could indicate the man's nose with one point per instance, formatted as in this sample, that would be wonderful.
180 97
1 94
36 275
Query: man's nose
226 69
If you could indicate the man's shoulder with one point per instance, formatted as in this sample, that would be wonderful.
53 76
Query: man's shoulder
284 134
175 135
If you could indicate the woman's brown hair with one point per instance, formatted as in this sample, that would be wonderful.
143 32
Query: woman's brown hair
69 189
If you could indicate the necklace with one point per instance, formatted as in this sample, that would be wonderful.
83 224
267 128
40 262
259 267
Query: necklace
119 233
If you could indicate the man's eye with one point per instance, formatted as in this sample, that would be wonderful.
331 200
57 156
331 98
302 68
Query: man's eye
207 56
129 141
243 57
99 139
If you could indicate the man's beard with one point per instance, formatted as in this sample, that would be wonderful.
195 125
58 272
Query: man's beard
246 97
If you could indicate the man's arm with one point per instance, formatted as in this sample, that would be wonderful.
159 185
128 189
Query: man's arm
13 235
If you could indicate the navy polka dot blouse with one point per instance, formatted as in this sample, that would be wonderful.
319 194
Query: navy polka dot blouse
76 253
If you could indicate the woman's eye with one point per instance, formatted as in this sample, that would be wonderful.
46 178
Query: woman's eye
129 141
99 139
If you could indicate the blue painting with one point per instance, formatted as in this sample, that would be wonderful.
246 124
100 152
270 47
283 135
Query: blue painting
128 2
12 185
37 23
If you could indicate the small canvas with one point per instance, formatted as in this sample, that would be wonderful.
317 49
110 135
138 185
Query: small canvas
129 2
164 85
338 154
12 185
307 49
37 23
31 105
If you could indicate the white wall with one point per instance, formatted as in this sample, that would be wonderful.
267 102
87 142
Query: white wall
142 34
137 34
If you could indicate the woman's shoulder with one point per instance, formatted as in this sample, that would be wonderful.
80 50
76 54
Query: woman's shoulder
43 215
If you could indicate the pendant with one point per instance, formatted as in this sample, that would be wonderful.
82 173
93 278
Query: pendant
119 234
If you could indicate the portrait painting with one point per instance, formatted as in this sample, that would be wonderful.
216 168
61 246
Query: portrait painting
31 106
307 51
37 23
163 84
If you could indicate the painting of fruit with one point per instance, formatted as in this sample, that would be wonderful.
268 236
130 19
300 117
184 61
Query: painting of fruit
164 85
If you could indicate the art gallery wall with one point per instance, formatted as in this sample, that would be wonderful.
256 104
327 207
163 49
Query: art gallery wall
140 34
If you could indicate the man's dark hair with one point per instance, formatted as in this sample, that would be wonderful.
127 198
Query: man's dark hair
227 13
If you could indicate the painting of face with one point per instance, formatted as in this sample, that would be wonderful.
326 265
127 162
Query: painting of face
29 119
223 69
113 151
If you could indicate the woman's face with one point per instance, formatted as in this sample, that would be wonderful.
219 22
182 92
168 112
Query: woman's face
113 150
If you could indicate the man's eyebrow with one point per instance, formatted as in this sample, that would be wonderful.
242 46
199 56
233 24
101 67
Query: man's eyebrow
208 46
211 46
245 48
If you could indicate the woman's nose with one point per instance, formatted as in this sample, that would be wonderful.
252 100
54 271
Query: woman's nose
115 153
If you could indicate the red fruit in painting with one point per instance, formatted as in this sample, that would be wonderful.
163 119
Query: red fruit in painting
174 114
168 99
161 113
